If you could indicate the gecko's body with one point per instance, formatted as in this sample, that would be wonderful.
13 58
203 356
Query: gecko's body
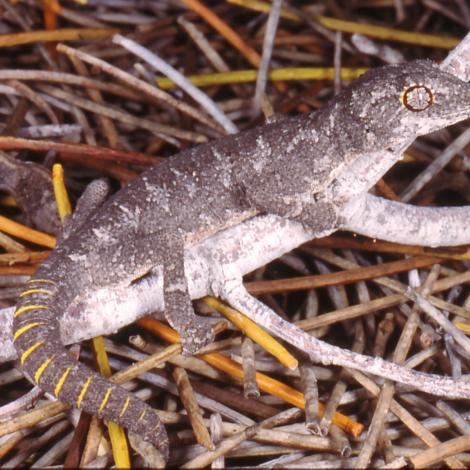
295 167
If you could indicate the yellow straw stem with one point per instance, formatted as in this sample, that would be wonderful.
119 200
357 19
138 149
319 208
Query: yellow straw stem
253 331
57 35
465 327
8 201
245 76
380 32
18 230
116 432
60 192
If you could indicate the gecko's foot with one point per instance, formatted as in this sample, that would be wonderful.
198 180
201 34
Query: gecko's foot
196 335
195 331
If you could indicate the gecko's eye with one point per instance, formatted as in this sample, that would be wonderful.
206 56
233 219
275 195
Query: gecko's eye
417 98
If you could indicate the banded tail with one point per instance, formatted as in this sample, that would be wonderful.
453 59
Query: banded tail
46 361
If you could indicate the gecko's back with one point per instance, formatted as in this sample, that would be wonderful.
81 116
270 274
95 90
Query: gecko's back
195 193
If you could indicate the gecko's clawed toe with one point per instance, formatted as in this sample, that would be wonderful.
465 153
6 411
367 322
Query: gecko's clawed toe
196 335
195 331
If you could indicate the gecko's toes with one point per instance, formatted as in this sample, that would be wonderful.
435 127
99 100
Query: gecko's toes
195 331
196 336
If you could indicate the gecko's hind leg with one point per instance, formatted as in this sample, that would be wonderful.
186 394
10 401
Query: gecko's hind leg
195 331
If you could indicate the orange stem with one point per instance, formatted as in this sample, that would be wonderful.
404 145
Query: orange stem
265 383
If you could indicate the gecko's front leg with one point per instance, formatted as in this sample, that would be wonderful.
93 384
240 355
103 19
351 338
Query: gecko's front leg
195 331
318 215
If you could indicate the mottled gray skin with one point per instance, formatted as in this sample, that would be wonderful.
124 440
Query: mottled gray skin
296 168
93 197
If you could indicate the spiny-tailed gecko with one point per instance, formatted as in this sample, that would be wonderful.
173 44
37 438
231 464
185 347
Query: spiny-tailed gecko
296 168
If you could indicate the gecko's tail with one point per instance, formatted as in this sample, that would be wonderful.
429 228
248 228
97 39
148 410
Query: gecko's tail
48 364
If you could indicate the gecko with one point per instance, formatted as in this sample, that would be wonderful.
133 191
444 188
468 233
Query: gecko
295 167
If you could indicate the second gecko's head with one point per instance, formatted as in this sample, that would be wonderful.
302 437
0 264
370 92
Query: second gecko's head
408 99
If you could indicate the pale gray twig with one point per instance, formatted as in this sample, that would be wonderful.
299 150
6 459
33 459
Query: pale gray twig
399 10
454 417
268 42
50 131
458 60
25 401
337 62
156 62
120 308
442 8
383 51
436 166
54 452
440 319
465 11
200 40
217 436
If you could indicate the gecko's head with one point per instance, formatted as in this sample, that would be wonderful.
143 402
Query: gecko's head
413 98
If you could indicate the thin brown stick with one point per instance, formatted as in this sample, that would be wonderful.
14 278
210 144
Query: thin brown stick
349 276
74 453
45 440
12 247
406 417
340 441
384 331
186 395
440 452
232 399
66 34
228 444
384 302
388 389
152 92
106 123
309 385
226 31
27 92
167 133
192 364
14 143
67 79
250 387
340 386
356 243
94 440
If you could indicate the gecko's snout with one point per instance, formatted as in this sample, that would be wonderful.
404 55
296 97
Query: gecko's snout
451 97
439 100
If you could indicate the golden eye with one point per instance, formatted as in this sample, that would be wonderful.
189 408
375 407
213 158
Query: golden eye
417 98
